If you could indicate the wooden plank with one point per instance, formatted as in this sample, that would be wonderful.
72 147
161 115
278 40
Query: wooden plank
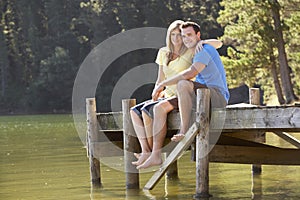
258 155
112 121
287 137
284 118
178 150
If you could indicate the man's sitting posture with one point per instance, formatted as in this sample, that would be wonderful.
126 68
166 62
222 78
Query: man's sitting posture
209 72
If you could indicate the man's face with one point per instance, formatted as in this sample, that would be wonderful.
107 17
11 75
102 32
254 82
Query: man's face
189 37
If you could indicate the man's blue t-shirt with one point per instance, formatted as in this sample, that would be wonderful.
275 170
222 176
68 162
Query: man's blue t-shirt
213 75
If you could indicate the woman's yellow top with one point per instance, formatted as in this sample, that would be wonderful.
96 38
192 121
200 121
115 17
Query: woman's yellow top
174 67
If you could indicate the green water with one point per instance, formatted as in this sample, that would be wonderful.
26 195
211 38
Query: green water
42 157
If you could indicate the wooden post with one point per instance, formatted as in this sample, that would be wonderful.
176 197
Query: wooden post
254 96
92 139
131 145
254 99
172 171
202 144
287 137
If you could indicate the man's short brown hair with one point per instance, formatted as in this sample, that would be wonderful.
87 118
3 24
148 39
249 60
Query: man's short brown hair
195 26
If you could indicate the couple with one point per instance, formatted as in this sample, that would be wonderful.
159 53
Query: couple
185 64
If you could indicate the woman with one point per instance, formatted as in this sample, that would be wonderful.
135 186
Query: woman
172 59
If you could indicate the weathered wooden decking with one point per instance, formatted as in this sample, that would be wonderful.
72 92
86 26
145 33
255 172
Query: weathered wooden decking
248 118
241 138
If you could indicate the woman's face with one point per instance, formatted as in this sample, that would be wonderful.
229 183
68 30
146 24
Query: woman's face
176 38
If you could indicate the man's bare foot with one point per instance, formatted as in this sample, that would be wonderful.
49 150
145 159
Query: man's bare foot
142 157
177 137
151 161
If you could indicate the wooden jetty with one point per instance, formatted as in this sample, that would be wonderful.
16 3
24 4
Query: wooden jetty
242 138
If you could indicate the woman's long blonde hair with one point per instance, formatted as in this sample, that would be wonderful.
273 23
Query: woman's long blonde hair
174 25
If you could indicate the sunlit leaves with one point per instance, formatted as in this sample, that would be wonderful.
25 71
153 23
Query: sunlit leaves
249 30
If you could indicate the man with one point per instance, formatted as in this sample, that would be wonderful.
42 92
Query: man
209 71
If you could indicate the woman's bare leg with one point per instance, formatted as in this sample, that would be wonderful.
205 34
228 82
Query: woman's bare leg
147 122
139 129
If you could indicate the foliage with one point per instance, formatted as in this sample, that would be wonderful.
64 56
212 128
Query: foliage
51 87
43 43
251 38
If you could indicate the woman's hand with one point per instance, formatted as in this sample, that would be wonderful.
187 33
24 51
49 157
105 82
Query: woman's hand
157 91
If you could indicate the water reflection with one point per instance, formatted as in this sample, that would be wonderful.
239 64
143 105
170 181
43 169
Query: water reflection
256 187
148 194
42 157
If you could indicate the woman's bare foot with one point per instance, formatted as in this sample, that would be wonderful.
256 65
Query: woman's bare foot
153 160
142 157
137 155
177 137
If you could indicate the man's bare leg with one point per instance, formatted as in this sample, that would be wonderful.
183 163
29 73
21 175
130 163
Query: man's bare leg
161 111
139 129
185 94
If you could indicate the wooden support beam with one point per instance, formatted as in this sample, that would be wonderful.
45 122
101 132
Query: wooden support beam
131 145
202 143
261 155
92 139
234 141
287 137
109 149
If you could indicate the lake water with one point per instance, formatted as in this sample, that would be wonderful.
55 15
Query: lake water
42 157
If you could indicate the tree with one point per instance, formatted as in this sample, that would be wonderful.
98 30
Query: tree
17 59
36 32
54 83
3 52
283 63
253 35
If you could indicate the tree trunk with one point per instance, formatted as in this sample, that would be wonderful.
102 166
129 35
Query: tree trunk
283 64
277 85
3 65
3 53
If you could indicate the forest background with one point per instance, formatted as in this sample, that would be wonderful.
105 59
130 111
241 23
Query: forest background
44 42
